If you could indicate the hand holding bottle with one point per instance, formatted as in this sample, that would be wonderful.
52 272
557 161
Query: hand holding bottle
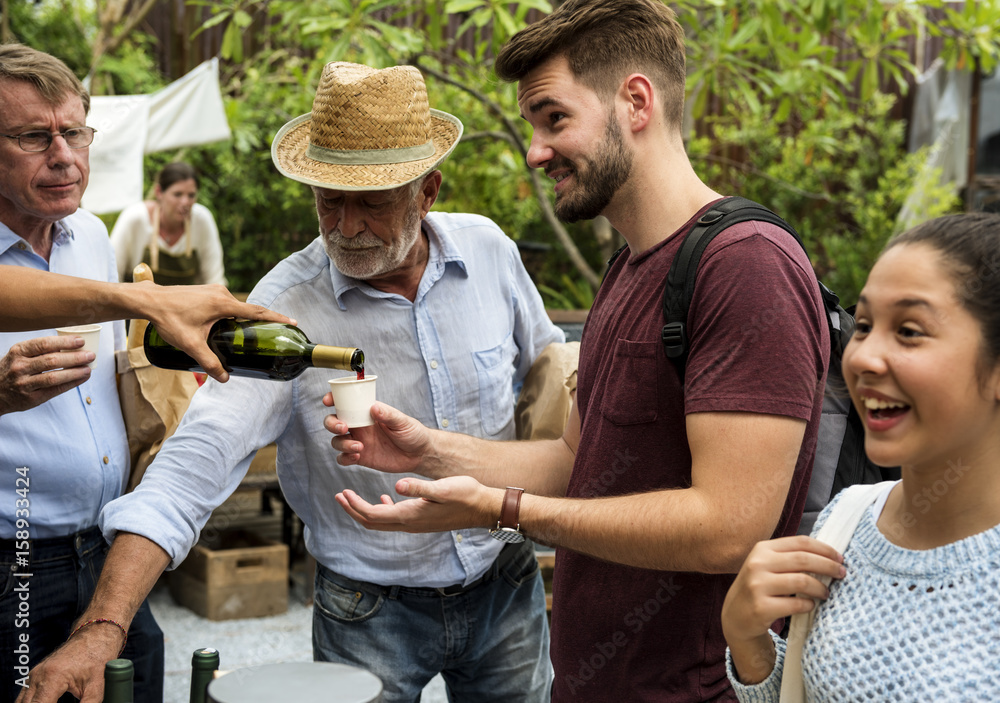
184 315
264 350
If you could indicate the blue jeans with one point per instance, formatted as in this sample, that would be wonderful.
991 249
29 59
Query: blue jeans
490 643
37 611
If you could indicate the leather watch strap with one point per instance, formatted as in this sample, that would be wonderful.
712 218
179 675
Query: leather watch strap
510 512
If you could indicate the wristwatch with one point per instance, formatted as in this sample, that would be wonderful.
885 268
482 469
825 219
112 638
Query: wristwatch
508 529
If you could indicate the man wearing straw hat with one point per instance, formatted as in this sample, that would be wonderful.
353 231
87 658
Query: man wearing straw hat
450 323
662 482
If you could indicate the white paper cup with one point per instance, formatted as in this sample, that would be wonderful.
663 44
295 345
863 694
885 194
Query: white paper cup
353 399
91 337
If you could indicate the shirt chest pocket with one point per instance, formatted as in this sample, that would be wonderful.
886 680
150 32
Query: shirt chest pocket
495 370
631 392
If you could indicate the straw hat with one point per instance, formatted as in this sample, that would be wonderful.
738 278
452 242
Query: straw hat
369 129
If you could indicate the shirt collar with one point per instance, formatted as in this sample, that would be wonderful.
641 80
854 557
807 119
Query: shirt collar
442 250
61 234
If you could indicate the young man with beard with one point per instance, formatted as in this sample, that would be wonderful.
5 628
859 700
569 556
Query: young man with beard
659 487
450 323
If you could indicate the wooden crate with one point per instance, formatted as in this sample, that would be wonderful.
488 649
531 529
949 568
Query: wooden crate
236 574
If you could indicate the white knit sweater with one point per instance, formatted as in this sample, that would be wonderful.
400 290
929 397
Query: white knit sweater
903 625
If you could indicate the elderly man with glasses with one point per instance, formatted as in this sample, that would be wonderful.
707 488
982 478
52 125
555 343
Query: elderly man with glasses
63 446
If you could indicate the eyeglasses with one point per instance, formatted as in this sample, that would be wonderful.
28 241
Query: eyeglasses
39 140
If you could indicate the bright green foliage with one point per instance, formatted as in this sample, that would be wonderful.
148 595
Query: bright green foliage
771 54
52 28
238 14
575 294
971 34
840 180
789 135
769 91
493 16
129 71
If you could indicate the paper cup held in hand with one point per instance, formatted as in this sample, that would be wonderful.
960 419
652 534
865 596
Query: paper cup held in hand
91 338
353 399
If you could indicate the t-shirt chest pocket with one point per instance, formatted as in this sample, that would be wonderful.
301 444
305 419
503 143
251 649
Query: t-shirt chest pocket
631 393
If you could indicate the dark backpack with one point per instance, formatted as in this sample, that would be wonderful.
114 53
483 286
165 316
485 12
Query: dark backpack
840 447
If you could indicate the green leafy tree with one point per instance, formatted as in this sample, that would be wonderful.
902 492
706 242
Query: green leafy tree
785 118
780 113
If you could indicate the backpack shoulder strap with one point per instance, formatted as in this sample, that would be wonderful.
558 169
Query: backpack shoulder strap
679 288
607 267
837 532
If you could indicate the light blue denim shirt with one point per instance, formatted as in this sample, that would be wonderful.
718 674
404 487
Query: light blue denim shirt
71 449
452 359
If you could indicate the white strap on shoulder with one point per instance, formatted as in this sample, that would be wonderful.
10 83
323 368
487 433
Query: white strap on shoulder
837 531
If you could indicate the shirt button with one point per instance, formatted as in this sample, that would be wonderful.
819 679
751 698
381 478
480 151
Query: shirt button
459 537
106 460
444 423
22 246
88 400
434 363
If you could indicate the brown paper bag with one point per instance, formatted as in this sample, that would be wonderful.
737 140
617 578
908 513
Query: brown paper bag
547 395
153 400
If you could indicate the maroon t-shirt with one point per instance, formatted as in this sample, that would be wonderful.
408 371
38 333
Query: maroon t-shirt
758 343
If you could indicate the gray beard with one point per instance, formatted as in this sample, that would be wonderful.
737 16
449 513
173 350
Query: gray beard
379 258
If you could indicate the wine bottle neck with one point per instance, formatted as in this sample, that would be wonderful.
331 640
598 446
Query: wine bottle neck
333 357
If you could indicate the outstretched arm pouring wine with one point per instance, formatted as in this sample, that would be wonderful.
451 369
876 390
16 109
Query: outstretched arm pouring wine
34 299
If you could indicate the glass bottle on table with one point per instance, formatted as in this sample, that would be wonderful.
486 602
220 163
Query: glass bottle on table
204 664
118 675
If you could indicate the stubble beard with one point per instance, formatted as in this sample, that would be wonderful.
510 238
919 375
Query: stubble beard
602 178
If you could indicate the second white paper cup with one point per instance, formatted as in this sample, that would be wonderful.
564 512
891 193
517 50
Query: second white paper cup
353 399
91 338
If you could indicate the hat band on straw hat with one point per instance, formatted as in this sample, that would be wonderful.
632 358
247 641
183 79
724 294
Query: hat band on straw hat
397 155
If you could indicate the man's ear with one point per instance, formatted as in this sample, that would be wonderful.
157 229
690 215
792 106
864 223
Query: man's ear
637 91
429 190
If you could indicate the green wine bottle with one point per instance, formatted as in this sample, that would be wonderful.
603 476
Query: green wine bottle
118 681
204 663
256 349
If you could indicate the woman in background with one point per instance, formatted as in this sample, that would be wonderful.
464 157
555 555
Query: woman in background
187 249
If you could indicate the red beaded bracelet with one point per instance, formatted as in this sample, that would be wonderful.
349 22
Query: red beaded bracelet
116 624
